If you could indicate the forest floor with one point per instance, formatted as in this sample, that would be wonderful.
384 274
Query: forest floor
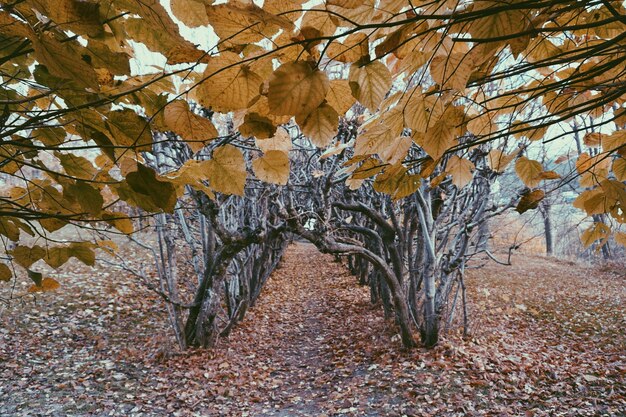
547 339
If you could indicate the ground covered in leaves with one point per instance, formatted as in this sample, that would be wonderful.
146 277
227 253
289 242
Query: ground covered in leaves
547 339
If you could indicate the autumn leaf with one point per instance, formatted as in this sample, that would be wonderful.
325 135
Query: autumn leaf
597 231
272 167
414 109
127 128
145 182
191 12
120 221
226 171
452 71
437 140
281 141
47 285
258 126
528 171
370 83
226 85
461 170
296 89
89 198
194 129
339 96
619 169
321 125
5 272
530 200
397 182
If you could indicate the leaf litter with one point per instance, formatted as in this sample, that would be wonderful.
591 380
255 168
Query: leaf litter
546 339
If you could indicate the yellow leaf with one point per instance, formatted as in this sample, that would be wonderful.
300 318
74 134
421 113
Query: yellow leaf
128 129
482 124
321 125
191 12
9 229
88 197
281 7
317 17
336 150
593 139
26 256
272 167
396 150
592 202
374 141
362 14
354 184
108 246
437 140
348 4
370 83
549 175
530 200
120 221
261 107
351 50
296 89
281 141
451 71
76 166
227 84
146 184
438 180
64 61
614 141
541 48
406 186
461 170
47 284
504 22
75 15
620 238
396 182
593 170
528 171
194 129
5 272
83 251
258 126
498 160
415 115
368 168
244 23
194 174
619 169
528 131
340 96
619 117
226 171
57 256
594 233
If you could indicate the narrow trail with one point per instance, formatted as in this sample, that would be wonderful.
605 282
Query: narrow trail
313 318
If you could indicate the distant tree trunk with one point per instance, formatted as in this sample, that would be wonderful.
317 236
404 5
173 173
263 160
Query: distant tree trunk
547 227
430 331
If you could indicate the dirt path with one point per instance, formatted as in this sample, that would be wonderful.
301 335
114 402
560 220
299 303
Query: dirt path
321 318
314 346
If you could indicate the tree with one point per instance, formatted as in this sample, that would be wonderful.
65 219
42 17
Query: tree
443 88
